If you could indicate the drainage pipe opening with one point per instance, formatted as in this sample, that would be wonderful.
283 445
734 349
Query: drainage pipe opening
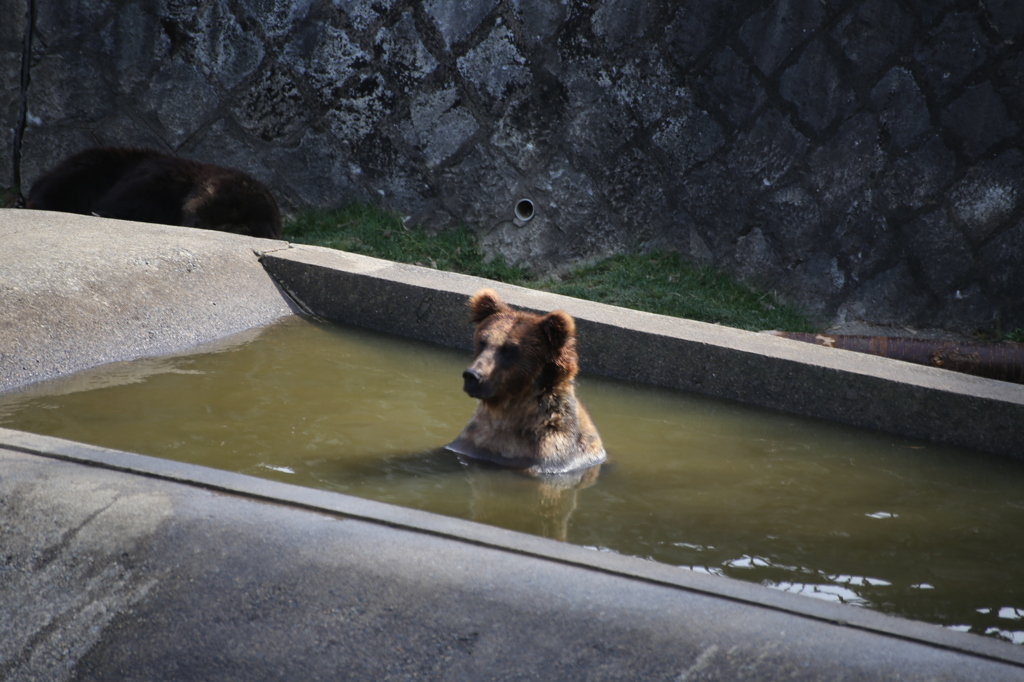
524 210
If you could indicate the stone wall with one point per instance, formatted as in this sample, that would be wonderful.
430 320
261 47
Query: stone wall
861 157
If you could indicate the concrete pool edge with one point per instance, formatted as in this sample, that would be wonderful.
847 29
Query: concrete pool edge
790 376
528 546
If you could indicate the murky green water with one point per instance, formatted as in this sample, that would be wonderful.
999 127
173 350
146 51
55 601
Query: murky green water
924 531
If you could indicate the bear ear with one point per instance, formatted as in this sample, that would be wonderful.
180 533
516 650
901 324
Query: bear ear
557 327
485 303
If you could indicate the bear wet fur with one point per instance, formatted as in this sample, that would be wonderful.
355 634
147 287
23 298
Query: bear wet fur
152 187
523 374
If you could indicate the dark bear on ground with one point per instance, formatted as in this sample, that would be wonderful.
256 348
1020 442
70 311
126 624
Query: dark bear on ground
524 376
151 187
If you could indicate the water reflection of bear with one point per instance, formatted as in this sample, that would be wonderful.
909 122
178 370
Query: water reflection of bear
540 505
458 486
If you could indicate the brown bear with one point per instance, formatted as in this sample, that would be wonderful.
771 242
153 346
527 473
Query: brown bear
152 187
523 374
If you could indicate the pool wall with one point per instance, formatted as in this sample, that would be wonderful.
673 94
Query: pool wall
114 564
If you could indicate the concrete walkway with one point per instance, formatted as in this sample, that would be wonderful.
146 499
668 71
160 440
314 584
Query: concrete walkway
132 574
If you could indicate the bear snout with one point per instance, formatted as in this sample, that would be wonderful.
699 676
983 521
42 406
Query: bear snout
474 386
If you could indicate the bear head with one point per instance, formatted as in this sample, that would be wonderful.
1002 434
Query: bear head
231 201
517 352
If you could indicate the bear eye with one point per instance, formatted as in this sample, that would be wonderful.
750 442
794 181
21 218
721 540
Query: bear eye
509 352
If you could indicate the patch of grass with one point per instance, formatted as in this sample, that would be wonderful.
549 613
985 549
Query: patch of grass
667 284
8 196
662 283
371 231
998 334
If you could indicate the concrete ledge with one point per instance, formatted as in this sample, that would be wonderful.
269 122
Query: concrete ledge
115 561
852 388
77 291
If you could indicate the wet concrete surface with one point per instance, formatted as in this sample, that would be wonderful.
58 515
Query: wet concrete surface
77 291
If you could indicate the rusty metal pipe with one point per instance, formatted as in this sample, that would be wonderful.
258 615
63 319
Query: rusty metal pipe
1003 361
